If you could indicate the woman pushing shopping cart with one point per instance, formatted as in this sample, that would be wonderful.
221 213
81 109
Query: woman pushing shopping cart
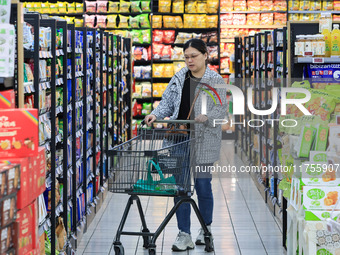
162 162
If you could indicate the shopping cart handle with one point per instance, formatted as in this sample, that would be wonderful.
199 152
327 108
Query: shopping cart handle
172 121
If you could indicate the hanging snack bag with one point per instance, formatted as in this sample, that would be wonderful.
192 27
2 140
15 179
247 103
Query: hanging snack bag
211 21
146 6
113 6
146 35
201 21
71 7
135 6
53 8
169 21
213 37
166 52
168 70
254 6
101 21
157 21
124 6
89 20
146 72
177 53
178 22
123 21
178 6
62 7
137 36
212 6
304 5
111 21
321 138
178 66
169 36
190 21
305 141
201 7
157 50
134 22
79 7
101 6
157 70
191 6
157 36
164 6
327 5
182 37
90 7
144 21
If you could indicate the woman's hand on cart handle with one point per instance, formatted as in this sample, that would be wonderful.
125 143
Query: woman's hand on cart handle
201 118
149 119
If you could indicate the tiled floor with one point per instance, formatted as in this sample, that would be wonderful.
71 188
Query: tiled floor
242 222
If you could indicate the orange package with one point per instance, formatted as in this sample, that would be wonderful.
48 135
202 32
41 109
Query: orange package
336 6
254 6
239 19
267 18
280 19
226 19
240 6
267 5
280 6
253 19
226 5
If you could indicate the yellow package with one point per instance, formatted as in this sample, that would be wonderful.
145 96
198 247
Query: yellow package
294 5
304 17
124 6
304 5
212 6
178 6
53 8
201 21
202 7
168 70
164 6
189 21
113 6
123 21
111 21
191 6
70 20
178 22
178 66
327 5
316 5
71 7
62 7
212 21
169 21
45 7
30 7
294 17
37 6
157 70
78 22
157 21
155 90
79 7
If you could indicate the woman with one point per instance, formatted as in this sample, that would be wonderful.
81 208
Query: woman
176 103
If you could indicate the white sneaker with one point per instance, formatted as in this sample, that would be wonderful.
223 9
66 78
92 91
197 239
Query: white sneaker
183 242
200 237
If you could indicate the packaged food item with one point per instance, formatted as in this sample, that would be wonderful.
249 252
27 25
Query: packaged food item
201 7
90 7
157 21
101 6
267 18
305 141
146 35
316 198
158 70
135 6
168 70
101 21
111 21
294 17
191 6
293 5
182 37
211 21
336 6
145 72
89 20
226 19
305 5
189 21
239 19
267 5
6 240
253 19
157 36
280 5
78 22
63 7
177 53
146 89
213 52
178 21
280 19
157 50
226 6
178 6
124 6
169 36
146 6
144 21
213 37
7 99
134 21
164 6
168 21
178 66
240 5
113 6
123 21
327 5
166 52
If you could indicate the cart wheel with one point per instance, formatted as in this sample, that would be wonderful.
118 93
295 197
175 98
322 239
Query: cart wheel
119 249
152 251
209 244
146 239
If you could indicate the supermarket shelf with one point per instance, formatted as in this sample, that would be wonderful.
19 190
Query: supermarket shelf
254 26
251 12
315 60
111 13
230 40
66 14
311 12
181 13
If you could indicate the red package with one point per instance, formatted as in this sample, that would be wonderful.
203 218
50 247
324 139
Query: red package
157 50
7 99
166 52
157 36
39 166
169 36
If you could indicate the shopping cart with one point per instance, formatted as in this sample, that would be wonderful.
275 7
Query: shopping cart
157 162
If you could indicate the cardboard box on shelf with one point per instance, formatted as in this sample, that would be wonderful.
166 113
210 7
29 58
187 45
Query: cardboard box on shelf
9 178
8 210
39 172
6 239
7 99
18 133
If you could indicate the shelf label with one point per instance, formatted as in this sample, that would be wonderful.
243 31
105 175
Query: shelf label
309 54
318 60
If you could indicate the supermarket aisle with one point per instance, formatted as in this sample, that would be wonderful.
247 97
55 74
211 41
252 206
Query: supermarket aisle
242 222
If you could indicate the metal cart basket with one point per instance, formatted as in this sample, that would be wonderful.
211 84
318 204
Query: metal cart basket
157 162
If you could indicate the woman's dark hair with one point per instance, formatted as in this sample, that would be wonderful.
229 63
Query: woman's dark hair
198 44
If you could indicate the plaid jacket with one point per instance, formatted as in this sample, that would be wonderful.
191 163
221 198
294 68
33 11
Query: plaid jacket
208 137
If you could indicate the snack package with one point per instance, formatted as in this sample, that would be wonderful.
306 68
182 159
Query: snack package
178 66
134 22
327 5
211 21
168 21
89 20
254 6
304 144
212 6
166 52
304 5
78 22
253 19
267 5
123 21
71 7
164 6
157 50
146 35
178 22
267 18
113 6
226 6
316 198
190 21
168 70
321 138
239 19
169 36
201 7
135 6
146 6
101 6
336 6
124 6
177 53
157 21
90 7
294 17
191 6
182 37
226 19
240 5
101 21
293 5
157 36
157 70
144 21
145 72
178 6
63 7
213 37
79 7
111 21
280 5
280 19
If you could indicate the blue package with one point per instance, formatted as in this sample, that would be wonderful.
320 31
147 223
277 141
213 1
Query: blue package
323 73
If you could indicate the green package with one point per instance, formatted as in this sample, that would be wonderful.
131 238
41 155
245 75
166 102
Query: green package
144 21
301 84
137 36
305 141
321 138
146 6
134 22
135 6
146 35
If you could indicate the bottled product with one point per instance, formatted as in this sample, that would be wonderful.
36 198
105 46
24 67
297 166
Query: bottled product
321 47
308 43
335 35
328 42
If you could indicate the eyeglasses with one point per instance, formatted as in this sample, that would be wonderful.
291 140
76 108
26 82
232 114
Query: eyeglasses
191 57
